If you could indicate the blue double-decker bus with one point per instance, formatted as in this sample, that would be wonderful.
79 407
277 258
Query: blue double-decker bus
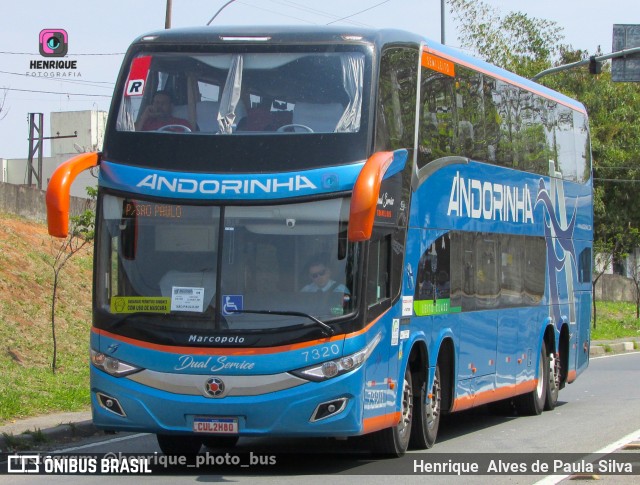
332 233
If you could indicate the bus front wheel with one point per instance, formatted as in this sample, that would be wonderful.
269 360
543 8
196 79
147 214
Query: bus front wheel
426 414
394 441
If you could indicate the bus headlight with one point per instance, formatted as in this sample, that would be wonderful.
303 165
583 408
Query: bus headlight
111 365
333 368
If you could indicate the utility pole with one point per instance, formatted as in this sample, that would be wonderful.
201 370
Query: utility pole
35 145
167 17
442 2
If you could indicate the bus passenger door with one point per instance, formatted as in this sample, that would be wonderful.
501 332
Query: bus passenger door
383 276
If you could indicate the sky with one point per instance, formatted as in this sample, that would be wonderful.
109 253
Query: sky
100 32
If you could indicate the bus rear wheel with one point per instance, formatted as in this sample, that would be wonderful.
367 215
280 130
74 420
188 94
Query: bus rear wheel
532 403
426 414
554 378
172 444
394 441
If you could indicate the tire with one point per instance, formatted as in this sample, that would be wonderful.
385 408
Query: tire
173 444
532 403
220 441
426 415
393 442
554 377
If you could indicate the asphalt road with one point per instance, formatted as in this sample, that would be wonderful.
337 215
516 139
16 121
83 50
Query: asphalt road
599 412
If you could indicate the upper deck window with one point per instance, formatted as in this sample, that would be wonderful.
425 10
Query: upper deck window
244 93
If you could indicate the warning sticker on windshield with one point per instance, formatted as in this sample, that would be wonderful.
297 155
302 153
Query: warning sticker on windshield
185 299
138 76
135 304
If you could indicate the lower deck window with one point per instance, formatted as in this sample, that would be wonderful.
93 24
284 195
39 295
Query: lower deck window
467 271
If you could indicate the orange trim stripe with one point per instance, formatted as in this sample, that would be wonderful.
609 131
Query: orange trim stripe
572 375
505 392
231 351
59 189
502 78
369 425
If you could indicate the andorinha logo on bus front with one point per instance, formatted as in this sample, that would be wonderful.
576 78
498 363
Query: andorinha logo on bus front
212 186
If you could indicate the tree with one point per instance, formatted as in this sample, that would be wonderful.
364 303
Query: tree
605 254
81 233
516 42
3 99
527 46
614 112
635 269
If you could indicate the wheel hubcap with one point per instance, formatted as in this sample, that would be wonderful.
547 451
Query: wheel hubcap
407 408
554 372
541 379
433 404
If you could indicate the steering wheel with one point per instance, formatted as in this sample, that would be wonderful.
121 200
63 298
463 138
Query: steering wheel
294 126
175 128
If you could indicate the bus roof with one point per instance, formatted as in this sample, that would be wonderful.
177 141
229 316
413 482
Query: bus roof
377 38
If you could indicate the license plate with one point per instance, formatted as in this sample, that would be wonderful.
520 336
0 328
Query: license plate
215 425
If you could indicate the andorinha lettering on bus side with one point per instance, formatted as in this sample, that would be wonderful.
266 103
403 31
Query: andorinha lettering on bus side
490 201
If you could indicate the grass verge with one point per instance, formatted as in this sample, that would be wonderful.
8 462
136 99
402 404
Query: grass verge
27 385
615 320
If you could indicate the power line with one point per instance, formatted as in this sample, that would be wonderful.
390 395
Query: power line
617 168
56 92
315 11
278 13
358 13
76 81
617 180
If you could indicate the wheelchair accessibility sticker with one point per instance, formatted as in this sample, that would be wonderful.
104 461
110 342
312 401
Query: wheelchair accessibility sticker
232 304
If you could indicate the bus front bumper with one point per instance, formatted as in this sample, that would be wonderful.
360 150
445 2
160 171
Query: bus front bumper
122 404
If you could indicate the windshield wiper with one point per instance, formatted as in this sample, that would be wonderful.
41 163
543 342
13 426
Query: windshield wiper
326 329
118 322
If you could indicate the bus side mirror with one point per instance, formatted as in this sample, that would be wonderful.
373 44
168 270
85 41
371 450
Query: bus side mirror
366 191
58 191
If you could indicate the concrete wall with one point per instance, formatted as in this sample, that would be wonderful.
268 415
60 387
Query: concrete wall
89 127
29 202
14 171
611 287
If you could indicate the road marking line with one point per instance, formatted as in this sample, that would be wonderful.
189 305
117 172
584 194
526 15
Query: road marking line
99 443
634 436
631 352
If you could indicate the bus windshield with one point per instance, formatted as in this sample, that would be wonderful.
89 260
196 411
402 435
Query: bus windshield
267 261
243 93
